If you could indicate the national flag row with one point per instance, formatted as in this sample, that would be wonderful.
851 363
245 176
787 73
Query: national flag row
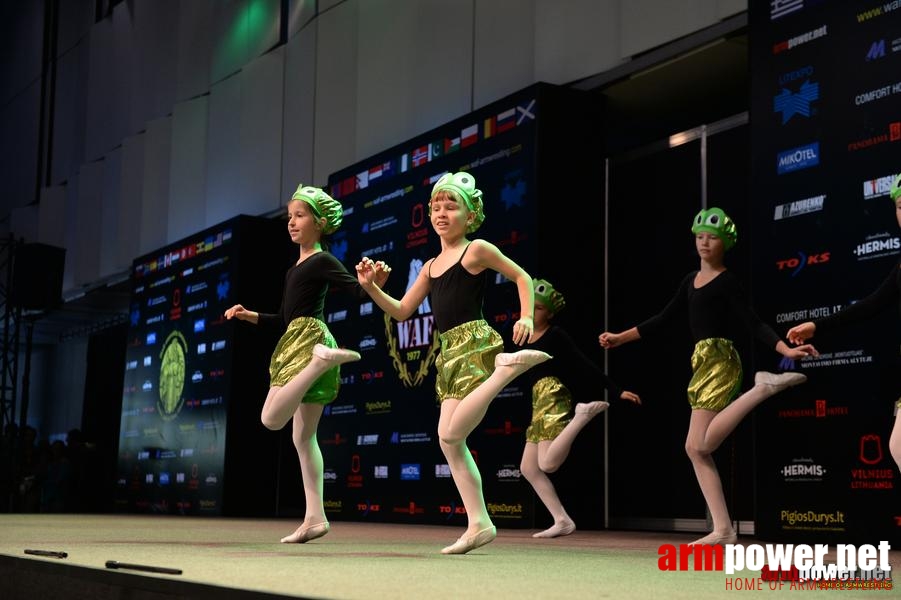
170 258
480 130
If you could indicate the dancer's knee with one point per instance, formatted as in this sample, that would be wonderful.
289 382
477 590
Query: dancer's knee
450 439
529 470
269 422
548 466
696 450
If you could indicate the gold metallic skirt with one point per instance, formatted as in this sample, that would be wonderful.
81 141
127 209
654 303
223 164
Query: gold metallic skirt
294 351
466 358
551 410
716 374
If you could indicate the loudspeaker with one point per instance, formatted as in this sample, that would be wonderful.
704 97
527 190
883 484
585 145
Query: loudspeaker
37 276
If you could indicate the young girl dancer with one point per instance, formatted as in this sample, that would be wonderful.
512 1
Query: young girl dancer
472 370
555 424
885 296
304 369
713 300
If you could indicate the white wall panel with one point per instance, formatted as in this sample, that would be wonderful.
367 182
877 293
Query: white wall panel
154 211
194 47
131 198
414 69
19 149
300 13
111 55
187 169
69 113
241 31
335 135
223 151
576 39
730 8
387 94
262 84
75 20
647 24
110 206
441 74
85 246
156 43
299 111
21 47
505 39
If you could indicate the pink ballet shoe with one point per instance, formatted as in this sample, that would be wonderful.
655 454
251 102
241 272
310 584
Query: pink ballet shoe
591 408
335 355
523 357
467 543
305 534
558 530
781 381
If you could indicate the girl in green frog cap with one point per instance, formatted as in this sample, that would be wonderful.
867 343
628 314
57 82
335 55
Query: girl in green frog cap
555 420
714 302
304 369
472 369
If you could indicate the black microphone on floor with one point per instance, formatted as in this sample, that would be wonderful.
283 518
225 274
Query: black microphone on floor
115 564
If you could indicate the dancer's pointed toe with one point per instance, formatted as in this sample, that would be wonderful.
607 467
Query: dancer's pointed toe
591 408
467 543
335 355
781 381
529 358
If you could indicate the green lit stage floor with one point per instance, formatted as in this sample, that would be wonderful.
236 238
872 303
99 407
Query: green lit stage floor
242 558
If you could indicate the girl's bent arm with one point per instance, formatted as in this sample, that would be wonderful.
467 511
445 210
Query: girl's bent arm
398 310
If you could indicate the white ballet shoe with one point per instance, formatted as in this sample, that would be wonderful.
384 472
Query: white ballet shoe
718 539
467 543
335 355
304 534
529 358
781 381
591 408
558 530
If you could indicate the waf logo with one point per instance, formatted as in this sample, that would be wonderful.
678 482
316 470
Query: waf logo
412 344
796 264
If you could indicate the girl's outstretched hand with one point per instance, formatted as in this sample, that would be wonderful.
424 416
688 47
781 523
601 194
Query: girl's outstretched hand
630 396
609 340
238 312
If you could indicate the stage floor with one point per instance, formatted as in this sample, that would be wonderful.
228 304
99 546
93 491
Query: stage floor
242 558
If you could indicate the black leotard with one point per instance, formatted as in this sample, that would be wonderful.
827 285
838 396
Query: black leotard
570 365
306 285
456 295
712 311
